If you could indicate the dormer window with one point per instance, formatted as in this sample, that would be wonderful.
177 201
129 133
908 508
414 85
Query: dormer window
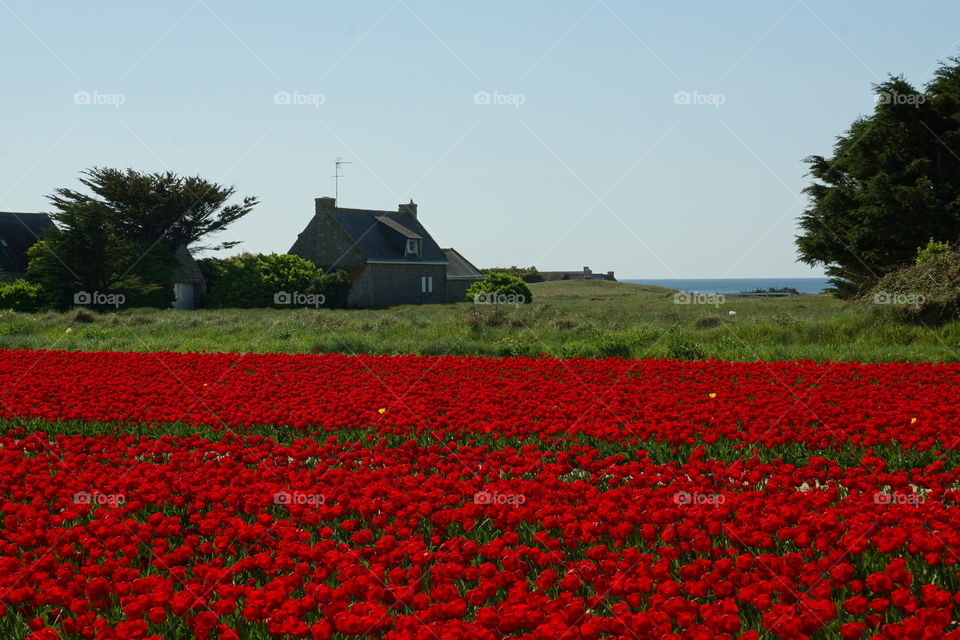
413 247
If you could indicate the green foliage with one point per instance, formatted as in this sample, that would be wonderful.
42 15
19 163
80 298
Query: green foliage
20 295
527 274
789 290
709 322
87 254
577 349
893 183
251 281
928 291
681 349
158 207
335 286
933 247
234 282
515 347
613 345
501 284
121 238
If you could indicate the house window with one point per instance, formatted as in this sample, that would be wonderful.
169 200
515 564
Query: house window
426 284
413 247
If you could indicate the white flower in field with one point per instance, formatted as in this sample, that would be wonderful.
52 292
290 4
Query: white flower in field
732 313
69 329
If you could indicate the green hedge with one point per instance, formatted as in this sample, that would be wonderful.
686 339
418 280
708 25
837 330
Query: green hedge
272 280
500 288
20 295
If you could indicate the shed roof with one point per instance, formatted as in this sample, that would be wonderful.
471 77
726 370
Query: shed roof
459 267
187 270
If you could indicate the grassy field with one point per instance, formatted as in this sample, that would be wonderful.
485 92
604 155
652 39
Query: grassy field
566 319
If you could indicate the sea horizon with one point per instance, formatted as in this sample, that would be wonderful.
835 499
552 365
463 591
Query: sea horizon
734 285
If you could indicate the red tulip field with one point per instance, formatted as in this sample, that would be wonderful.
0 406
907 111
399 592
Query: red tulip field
191 495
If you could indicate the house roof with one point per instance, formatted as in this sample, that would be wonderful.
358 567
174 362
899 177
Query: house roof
459 267
187 270
19 232
396 226
382 235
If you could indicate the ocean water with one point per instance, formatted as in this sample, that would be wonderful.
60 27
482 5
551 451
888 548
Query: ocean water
734 285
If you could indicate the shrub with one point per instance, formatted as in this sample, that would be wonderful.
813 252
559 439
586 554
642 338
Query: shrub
82 316
577 349
926 291
252 281
708 322
478 317
790 290
527 274
20 295
346 344
515 290
514 347
680 349
933 248
613 345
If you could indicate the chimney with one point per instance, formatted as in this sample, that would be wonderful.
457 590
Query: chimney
325 204
410 208
586 272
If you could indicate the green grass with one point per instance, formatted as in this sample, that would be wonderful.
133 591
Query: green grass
566 319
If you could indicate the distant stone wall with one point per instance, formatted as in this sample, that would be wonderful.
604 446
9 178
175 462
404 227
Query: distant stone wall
553 276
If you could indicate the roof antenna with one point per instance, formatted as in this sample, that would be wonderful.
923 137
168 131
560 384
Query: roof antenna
336 176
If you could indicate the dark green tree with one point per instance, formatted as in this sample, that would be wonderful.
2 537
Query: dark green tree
892 183
82 255
122 236
159 207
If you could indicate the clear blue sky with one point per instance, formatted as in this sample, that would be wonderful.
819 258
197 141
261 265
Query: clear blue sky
581 155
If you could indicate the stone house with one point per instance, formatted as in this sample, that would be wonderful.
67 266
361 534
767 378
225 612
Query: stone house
389 255
19 232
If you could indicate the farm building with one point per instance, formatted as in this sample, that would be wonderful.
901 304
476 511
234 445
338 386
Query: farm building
389 255
189 285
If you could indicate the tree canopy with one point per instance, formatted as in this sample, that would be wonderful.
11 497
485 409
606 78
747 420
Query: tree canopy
122 236
892 183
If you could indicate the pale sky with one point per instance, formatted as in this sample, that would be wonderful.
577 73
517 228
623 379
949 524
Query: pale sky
653 139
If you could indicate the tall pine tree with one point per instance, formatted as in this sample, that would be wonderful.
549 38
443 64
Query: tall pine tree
892 183
122 237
